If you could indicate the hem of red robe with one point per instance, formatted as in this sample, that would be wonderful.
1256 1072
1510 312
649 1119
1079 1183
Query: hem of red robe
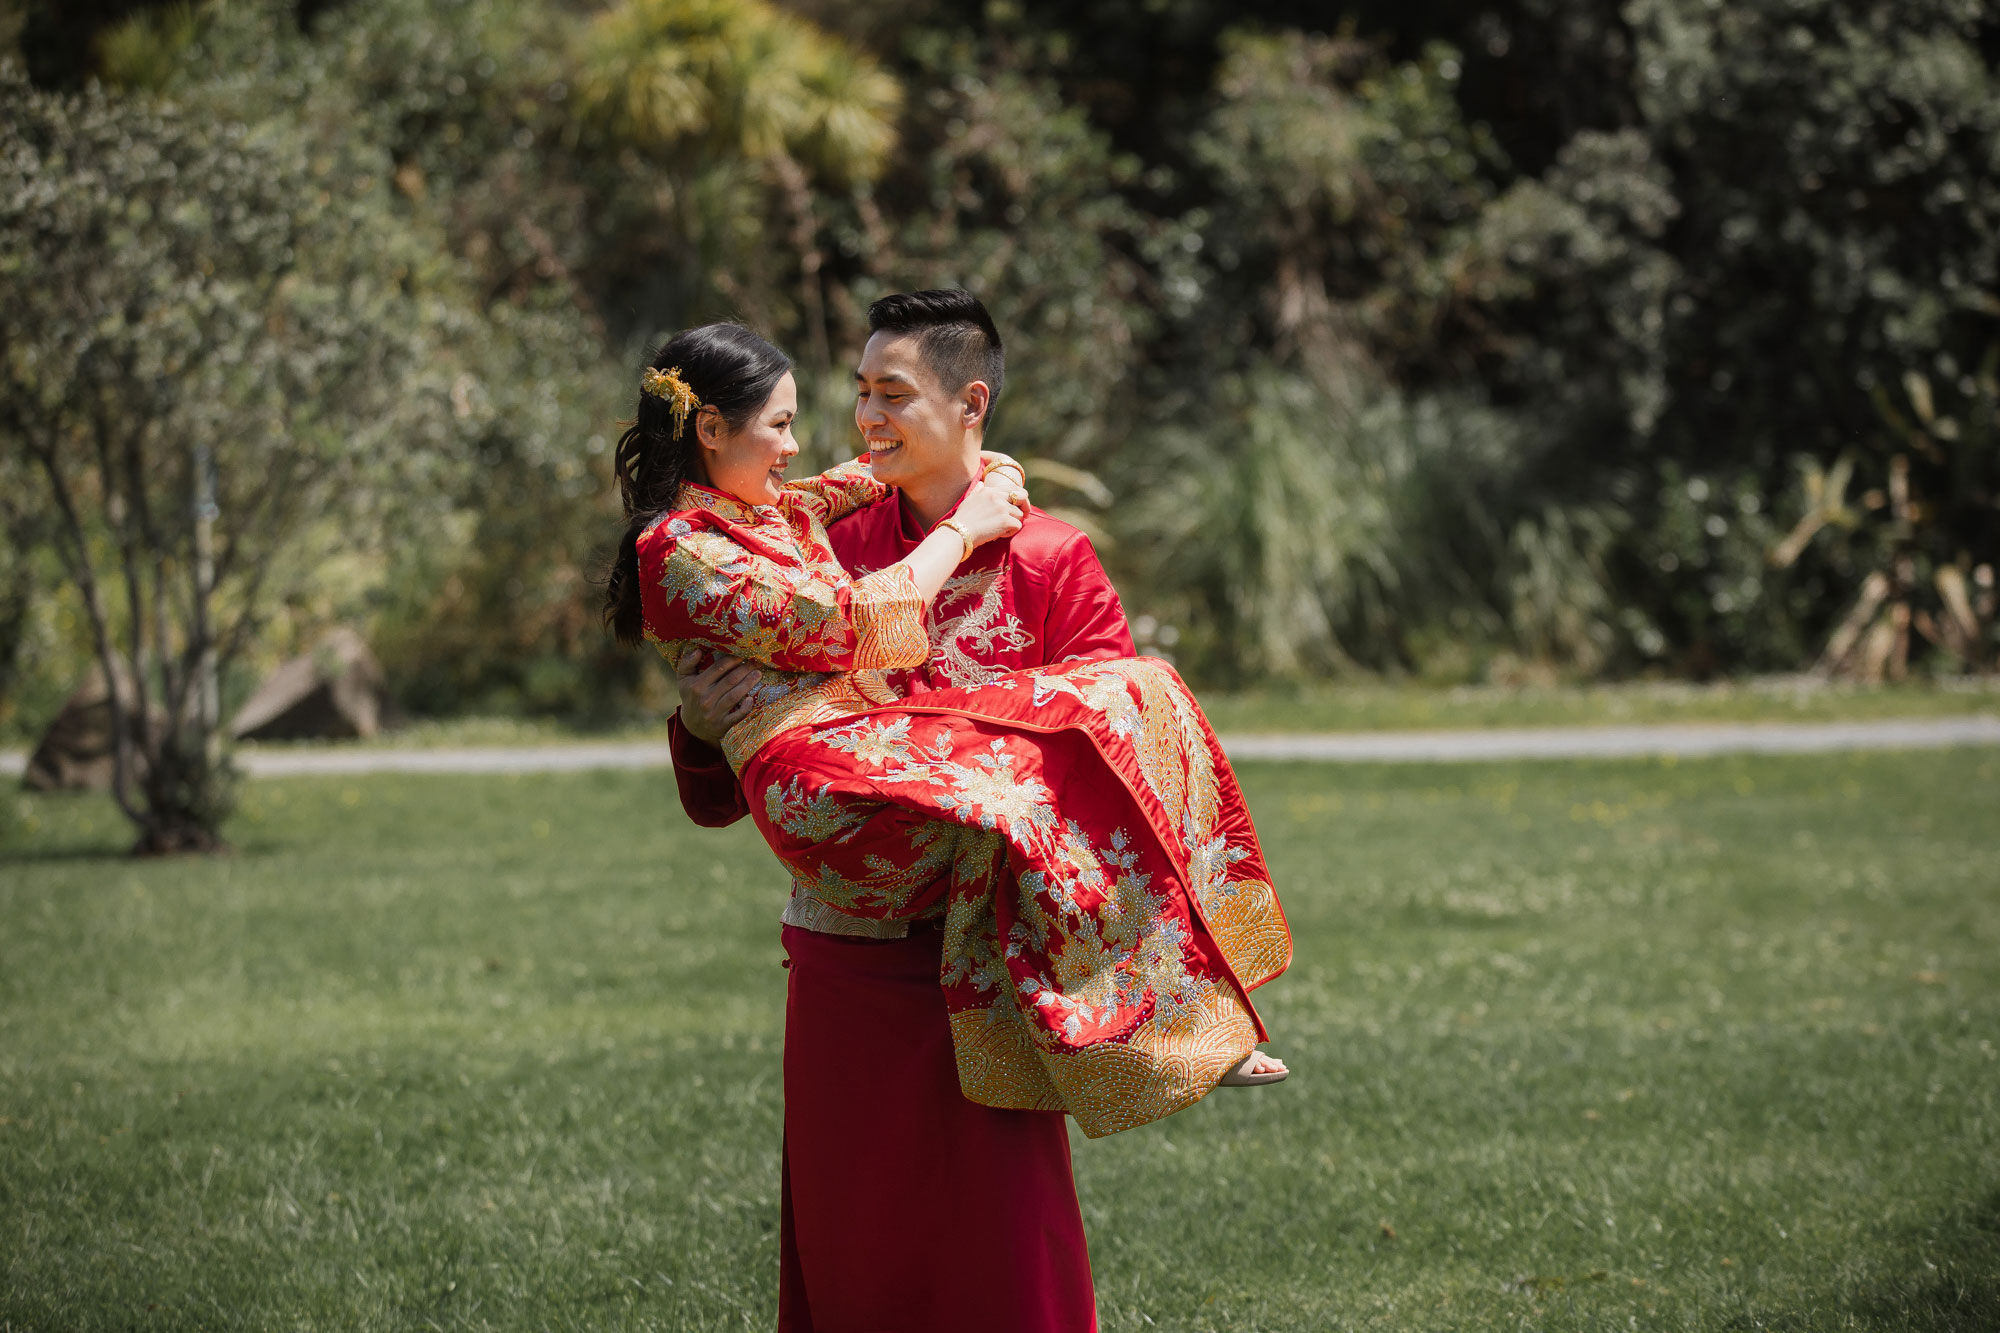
1015 715
993 716
904 1206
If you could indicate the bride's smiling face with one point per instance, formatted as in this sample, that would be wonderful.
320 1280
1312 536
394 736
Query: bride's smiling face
749 463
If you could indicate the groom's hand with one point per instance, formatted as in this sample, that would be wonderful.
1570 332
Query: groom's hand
716 697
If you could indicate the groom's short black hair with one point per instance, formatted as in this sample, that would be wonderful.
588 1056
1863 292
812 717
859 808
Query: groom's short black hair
955 336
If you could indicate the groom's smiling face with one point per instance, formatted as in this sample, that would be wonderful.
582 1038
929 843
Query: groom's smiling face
915 427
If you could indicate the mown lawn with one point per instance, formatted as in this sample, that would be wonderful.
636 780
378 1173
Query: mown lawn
1578 1046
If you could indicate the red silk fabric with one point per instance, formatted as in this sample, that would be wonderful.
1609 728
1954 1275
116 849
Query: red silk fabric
907 1208
1036 598
1107 905
1033 599
1087 804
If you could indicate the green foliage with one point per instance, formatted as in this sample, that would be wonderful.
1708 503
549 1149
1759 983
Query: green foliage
145 51
489 605
1840 233
1295 531
736 76
1510 342
1320 517
1338 178
1784 256
1015 196
204 313
1571 263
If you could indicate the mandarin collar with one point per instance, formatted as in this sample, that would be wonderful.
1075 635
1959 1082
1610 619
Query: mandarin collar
694 495
909 526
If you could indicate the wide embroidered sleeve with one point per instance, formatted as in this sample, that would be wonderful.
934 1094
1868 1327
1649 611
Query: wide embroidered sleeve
836 492
699 584
889 620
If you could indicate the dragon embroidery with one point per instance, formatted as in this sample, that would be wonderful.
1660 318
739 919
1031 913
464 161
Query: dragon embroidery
959 641
955 639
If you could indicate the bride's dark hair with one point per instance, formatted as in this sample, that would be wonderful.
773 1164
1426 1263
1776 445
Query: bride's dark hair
730 369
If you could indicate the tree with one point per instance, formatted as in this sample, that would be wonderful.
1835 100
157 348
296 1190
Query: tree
218 353
1012 195
707 84
1839 241
1411 336
1347 489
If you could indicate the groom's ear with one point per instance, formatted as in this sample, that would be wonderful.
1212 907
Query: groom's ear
973 403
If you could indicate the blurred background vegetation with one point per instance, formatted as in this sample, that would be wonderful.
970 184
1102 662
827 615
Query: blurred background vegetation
1520 340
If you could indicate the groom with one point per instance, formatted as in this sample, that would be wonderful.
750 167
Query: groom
905 1206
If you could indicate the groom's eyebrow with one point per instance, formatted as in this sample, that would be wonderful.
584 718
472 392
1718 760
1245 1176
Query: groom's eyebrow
887 377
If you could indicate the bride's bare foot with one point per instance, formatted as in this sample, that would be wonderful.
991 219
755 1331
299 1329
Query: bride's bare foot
1256 1070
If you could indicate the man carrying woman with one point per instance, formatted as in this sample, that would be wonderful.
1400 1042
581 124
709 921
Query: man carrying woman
1015 892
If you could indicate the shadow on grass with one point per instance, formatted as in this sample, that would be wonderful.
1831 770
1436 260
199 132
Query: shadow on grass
65 855
1947 1281
1952 1283
121 852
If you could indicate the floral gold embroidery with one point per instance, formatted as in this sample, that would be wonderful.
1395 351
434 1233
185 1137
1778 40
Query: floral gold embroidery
1099 941
1079 954
762 583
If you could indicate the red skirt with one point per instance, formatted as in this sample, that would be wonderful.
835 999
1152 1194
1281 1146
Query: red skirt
905 1206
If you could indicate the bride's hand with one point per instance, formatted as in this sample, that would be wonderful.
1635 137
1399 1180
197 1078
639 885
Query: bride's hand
991 463
993 508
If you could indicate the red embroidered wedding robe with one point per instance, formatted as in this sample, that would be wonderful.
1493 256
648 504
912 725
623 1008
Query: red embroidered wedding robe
1106 906
1029 600
873 1110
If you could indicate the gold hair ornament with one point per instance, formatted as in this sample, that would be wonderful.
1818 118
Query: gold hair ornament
670 388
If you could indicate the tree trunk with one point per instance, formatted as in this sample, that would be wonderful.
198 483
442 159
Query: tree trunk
208 693
805 244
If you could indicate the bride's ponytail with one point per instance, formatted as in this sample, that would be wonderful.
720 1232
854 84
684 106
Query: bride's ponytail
724 366
621 581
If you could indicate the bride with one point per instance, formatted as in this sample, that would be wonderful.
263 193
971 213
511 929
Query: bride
1074 829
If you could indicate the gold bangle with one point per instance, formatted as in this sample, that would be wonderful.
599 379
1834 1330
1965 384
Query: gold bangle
963 536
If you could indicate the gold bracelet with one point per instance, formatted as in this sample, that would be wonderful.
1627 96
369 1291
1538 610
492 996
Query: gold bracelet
963 536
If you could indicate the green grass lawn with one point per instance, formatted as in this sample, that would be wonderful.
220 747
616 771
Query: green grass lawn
1578 1046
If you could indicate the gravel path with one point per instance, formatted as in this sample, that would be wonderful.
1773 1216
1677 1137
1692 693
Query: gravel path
1686 741
1690 740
